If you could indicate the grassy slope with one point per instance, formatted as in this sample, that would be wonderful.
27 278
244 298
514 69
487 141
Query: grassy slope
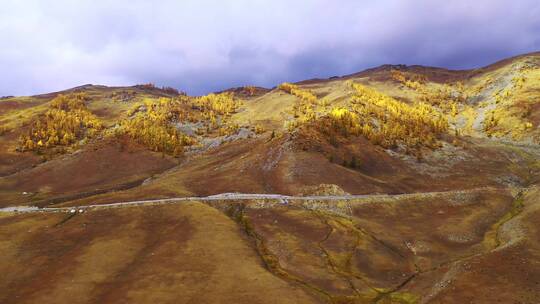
285 163
166 254
441 248
438 249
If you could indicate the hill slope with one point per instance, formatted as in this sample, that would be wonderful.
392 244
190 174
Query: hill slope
273 138
463 146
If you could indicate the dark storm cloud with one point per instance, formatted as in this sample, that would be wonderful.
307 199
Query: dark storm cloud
208 45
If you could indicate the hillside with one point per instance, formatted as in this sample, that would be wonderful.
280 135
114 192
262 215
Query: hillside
449 162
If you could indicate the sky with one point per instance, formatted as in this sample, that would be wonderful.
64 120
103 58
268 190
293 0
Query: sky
201 46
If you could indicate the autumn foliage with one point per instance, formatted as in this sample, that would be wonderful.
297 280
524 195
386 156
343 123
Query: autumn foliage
66 121
223 103
293 89
446 97
215 111
152 125
157 122
385 121
411 80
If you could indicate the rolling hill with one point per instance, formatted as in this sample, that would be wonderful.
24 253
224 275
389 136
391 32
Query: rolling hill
423 184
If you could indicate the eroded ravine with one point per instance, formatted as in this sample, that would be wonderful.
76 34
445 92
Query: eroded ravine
491 241
270 261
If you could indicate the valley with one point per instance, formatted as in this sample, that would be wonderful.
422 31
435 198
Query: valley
313 249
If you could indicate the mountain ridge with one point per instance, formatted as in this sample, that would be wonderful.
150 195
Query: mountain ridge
398 184
382 67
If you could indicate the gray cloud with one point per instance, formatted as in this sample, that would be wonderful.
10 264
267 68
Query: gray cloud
207 45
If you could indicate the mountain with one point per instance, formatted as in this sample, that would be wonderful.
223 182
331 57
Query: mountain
400 184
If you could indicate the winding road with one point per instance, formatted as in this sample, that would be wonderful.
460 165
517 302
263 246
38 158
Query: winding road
283 199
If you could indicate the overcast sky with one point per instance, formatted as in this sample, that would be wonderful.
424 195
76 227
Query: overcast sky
201 46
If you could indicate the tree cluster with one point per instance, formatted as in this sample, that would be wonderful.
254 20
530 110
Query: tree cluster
293 89
307 109
410 80
446 97
386 121
153 125
66 121
157 135
251 90
222 104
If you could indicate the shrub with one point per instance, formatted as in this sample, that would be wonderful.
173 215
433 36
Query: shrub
4 130
172 91
250 90
146 86
259 129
